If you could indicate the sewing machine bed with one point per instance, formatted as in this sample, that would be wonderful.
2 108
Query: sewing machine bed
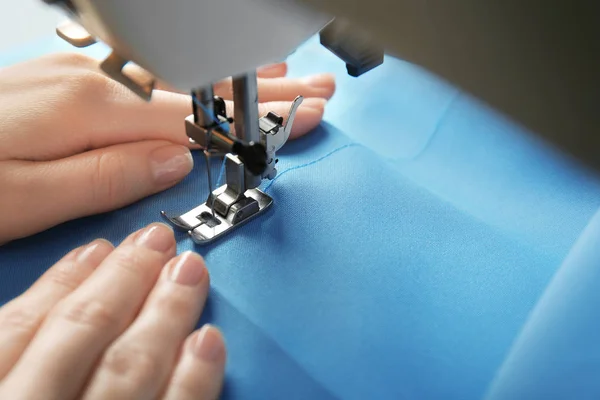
420 246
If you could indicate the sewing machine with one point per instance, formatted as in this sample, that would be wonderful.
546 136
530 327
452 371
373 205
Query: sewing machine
519 58
136 29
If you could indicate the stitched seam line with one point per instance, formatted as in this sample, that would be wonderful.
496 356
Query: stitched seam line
308 164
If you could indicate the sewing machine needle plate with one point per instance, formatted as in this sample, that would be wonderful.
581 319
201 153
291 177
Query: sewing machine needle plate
205 228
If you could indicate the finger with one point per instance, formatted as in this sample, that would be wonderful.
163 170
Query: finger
169 109
201 367
281 89
138 364
77 331
308 116
89 183
139 74
278 70
106 114
21 318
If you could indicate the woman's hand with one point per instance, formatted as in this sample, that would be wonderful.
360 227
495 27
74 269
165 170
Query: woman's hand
107 323
75 143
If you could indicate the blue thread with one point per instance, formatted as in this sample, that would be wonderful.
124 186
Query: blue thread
332 152
223 125
221 171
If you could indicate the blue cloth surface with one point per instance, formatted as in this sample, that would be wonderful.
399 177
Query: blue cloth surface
421 246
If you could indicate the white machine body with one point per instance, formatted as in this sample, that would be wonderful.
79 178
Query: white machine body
191 43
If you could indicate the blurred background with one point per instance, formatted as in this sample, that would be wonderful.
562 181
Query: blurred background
22 21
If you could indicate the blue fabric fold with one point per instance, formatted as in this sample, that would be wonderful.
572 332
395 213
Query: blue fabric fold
258 367
412 235
557 354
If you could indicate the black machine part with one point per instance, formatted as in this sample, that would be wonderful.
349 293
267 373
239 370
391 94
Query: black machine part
538 62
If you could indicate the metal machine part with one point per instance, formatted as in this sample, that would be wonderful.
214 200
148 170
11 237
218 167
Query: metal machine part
250 158
113 66
227 207
245 103
75 34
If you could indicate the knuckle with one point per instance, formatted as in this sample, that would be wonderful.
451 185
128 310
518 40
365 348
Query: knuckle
170 303
280 88
92 82
87 85
64 276
74 59
143 264
85 89
19 318
174 305
134 365
132 259
108 178
88 313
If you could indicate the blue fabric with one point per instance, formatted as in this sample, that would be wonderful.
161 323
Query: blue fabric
421 246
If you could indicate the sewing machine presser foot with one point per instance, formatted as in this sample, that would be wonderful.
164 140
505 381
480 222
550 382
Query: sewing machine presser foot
247 163
225 209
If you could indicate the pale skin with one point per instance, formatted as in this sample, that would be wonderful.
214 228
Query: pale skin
110 322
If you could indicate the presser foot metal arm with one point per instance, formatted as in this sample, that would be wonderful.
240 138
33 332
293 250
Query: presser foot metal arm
246 163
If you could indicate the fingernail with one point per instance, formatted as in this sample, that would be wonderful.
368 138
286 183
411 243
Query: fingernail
158 237
208 344
189 269
171 163
315 104
96 249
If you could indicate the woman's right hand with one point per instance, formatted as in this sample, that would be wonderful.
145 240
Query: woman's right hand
113 323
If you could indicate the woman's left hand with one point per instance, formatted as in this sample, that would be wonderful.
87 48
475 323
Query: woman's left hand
75 143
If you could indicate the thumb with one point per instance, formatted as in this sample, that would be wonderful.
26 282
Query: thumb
45 194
